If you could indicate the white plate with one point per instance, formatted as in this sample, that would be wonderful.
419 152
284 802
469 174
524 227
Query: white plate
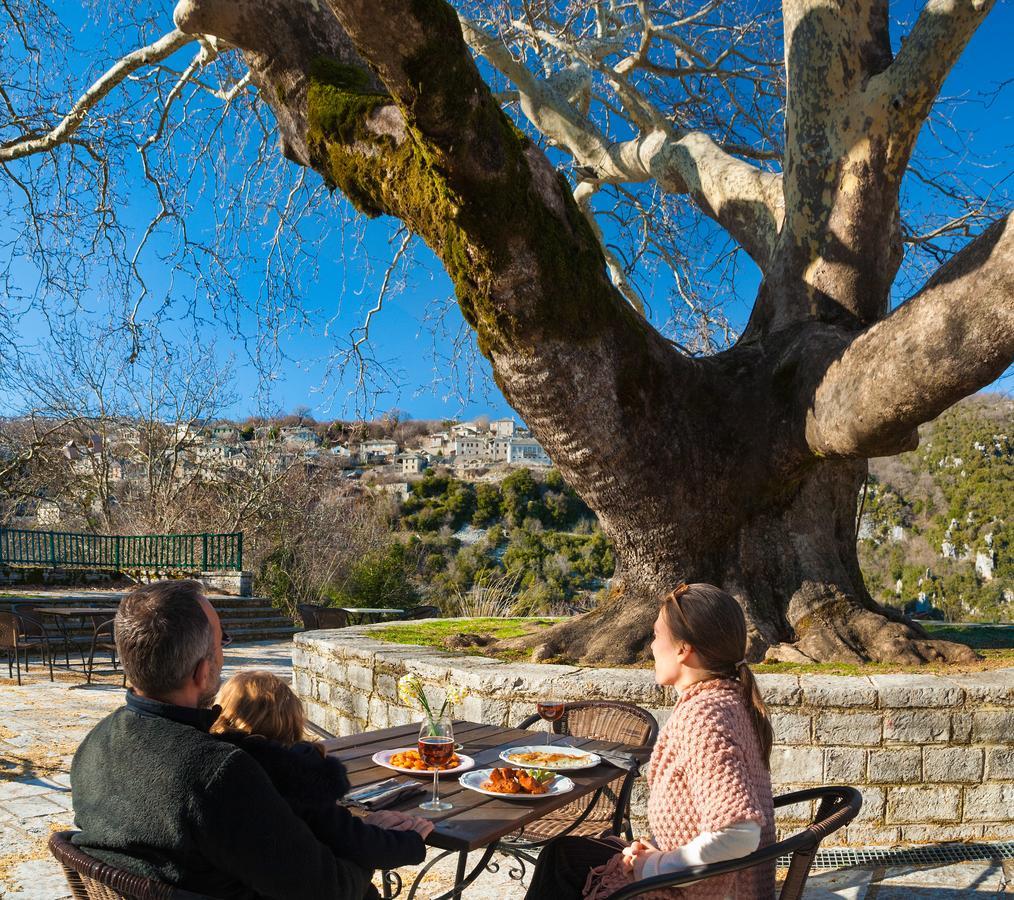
561 784
584 759
383 758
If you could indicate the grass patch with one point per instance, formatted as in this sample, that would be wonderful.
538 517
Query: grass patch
978 637
434 634
994 643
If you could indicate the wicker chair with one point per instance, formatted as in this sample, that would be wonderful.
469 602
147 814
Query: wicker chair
21 634
600 720
838 807
91 879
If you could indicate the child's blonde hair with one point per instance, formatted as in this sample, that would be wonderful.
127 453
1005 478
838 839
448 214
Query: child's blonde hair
257 702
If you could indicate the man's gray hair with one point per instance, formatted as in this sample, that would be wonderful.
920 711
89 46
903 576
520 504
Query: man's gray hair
162 633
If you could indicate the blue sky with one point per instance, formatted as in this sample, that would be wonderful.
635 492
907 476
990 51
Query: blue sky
401 336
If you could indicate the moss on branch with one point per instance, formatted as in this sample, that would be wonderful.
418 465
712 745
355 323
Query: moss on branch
480 211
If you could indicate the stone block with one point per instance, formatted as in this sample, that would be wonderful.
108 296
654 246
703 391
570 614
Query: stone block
1000 764
851 729
873 808
360 706
935 834
923 804
323 691
302 683
361 678
869 836
838 690
844 765
791 728
907 691
993 687
916 726
801 813
989 803
797 765
895 766
385 686
379 717
961 727
336 671
998 831
949 764
780 690
993 726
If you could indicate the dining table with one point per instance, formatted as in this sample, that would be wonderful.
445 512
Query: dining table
476 821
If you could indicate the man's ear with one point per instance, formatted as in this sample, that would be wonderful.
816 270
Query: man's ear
202 672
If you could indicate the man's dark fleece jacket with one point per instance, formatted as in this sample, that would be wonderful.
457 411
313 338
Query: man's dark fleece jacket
312 783
157 795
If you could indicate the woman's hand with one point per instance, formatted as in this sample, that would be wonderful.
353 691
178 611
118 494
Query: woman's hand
635 856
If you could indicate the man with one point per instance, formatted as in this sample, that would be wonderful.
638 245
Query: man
155 794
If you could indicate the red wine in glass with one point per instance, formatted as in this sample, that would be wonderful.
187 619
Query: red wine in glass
436 751
551 711
436 747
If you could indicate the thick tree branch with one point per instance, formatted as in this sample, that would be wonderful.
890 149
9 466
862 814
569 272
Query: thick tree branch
910 85
63 131
954 337
745 200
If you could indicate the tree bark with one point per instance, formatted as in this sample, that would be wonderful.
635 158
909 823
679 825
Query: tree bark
730 469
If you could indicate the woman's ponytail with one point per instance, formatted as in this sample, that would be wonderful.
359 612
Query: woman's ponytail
758 710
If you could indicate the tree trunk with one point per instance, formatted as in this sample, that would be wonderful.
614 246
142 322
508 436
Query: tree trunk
791 563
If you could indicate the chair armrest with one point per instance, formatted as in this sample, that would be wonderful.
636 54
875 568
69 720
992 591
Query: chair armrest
41 632
699 873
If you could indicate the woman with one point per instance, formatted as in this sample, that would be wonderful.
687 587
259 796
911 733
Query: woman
708 778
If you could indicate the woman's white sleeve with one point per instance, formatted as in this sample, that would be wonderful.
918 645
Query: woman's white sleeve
732 842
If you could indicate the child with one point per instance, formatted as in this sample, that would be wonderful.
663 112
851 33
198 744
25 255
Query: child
261 715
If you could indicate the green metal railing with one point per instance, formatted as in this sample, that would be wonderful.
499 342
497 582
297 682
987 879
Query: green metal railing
166 552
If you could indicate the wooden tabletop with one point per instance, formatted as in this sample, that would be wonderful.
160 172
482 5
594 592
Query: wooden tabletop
476 819
76 611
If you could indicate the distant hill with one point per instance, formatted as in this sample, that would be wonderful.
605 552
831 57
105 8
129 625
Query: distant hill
936 522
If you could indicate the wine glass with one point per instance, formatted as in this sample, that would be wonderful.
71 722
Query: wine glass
436 747
551 711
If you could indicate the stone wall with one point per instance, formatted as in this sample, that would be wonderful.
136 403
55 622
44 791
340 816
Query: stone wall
933 755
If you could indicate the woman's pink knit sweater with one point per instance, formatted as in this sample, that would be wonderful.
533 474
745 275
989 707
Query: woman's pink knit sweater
706 773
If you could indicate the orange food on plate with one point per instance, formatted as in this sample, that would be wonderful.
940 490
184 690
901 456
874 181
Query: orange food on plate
515 781
410 759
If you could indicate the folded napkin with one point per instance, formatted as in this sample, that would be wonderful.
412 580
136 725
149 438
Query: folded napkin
383 794
626 761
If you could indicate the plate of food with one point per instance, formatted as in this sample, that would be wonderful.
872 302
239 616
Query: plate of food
556 759
516 784
408 761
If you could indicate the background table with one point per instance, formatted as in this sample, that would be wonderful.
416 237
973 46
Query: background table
476 821
63 616
367 614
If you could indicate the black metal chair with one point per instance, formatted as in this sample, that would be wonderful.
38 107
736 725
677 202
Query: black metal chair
839 805
420 612
317 617
103 638
20 634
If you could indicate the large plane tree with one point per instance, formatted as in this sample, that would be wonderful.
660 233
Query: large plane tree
523 141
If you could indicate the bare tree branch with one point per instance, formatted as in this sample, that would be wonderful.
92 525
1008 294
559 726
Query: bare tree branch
164 47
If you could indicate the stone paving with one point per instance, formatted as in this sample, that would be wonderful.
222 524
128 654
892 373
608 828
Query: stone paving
41 724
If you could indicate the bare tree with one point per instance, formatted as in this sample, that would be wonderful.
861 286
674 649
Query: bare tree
741 467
